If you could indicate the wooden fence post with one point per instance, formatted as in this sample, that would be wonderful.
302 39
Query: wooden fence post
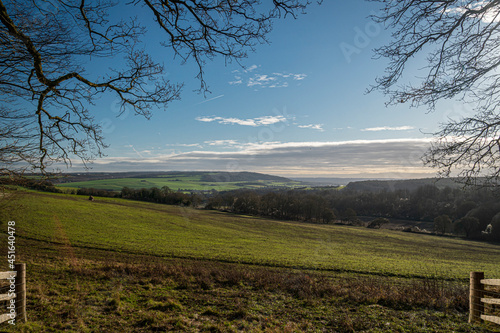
476 307
21 292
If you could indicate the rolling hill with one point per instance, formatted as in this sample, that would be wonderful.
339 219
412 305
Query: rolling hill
183 181
114 265
173 231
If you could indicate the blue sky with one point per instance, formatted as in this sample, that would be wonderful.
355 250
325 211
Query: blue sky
297 107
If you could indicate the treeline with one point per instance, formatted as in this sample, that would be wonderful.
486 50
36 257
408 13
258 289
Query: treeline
284 205
31 183
163 196
474 213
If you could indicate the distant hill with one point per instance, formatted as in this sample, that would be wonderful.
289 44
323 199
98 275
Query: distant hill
176 180
206 176
89 176
327 181
406 184
224 177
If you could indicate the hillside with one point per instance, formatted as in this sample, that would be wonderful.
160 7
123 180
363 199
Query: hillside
115 265
172 231
406 184
222 177
224 181
183 181
205 175
330 181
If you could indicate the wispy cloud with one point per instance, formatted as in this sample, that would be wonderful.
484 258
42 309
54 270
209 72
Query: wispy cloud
296 77
388 128
222 143
259 121
237 81
260 80
318 127
251 78
183 145
250 69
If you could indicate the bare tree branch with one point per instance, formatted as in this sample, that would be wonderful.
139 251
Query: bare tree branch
46 47
461 41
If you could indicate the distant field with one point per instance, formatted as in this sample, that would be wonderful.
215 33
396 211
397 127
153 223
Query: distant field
171 231
177 182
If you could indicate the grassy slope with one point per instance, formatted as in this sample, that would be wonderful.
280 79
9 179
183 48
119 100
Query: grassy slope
82 289
87 290
172 231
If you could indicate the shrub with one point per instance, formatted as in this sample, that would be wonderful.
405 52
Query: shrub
377 223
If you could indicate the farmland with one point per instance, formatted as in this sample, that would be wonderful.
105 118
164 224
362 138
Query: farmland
184 181
175 268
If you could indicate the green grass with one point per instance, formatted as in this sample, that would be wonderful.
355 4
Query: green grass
87 290
172 231
122 266
182 182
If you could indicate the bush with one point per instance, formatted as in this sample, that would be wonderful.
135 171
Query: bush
377 223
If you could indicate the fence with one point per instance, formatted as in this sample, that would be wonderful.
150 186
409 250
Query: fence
19 295
484 299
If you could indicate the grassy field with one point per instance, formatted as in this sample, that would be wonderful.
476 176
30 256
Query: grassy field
176 182
117 265
173 231
86 290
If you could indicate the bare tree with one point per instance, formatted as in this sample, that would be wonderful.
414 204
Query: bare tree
47 92
461 42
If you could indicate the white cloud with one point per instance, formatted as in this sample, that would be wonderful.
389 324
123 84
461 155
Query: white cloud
279 85
318 127
387 128
490 16
269 120
182 145
259 121
260 80
396 158
237 121
250 69
208 119
251 78
221 142
296 77
299 77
